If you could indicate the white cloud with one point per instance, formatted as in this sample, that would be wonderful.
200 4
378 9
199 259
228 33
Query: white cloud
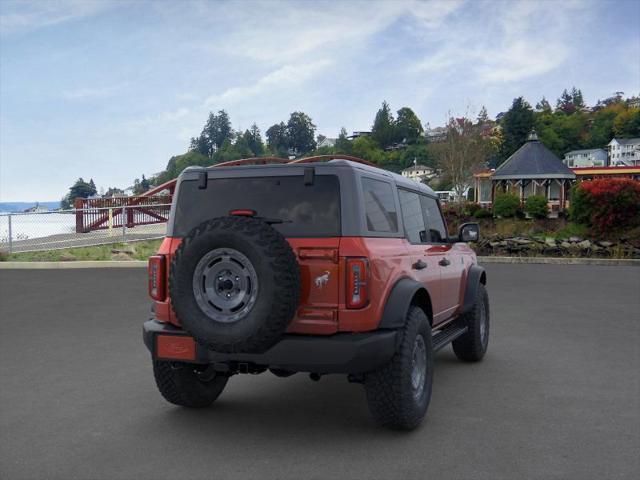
285 77
21 16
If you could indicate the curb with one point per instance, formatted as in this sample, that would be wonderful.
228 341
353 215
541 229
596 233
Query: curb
73 264
484 260
616 262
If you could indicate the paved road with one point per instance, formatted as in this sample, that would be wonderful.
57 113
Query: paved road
558 395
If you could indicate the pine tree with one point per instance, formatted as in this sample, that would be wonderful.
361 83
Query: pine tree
517 123
382 130
543 106
483 116
343 144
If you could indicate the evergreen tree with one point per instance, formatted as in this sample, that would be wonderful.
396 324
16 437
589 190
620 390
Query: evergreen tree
517 123
253 138
216 131
408 126
565 103
483 116
576 99
343 144
543 106
382 130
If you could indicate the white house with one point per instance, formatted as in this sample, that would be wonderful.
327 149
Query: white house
594 157
419 173
327 142
624 152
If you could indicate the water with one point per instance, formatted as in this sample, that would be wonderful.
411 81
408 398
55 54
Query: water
29 226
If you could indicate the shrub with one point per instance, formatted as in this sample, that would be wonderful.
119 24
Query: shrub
506 205
607 204
471 208
483 213
536 206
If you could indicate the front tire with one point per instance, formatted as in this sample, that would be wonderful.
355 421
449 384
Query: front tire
472 346
398 394
183 385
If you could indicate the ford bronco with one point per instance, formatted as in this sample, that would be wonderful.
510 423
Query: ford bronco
312 266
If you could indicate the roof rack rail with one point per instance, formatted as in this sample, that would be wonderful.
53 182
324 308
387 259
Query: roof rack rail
171 184
326 158
251 161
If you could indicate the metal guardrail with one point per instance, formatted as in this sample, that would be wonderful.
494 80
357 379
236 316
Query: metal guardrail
54 230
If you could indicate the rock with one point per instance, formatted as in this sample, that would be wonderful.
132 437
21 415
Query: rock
126 251
550 241
522 241
566 245
121 257
494 244
67 257
584 244
605 244
575 239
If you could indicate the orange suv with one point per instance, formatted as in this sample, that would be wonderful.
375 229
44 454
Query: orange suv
318 267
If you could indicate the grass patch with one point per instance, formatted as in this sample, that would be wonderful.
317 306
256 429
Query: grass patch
131 251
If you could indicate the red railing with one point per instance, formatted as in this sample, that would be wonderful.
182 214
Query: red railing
151 207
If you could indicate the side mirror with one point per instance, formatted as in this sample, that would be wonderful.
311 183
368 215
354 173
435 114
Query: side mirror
469 232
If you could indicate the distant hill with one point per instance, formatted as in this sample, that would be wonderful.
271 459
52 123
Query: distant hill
13 207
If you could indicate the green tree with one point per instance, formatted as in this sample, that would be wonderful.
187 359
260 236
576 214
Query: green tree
383 130
277 139
216 131
627 124
80 189
517 123
343 144
367 148
565 103
253 139
301 133
408 126
577 99
544 106
483 116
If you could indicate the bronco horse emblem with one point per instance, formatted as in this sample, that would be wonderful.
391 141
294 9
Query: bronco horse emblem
323 279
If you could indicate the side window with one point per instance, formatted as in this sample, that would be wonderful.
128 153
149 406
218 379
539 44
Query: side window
380 207
435 223
412 216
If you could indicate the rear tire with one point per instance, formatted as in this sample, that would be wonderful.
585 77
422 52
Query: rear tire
399 393
472 346
180 384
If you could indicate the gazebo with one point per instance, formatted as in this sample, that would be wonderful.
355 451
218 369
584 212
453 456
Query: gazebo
532 170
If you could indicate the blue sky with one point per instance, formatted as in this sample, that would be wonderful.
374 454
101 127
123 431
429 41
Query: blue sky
111 90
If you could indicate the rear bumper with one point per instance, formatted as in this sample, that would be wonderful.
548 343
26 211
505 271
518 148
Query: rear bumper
338 353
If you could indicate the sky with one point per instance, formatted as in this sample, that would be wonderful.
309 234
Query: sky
110 90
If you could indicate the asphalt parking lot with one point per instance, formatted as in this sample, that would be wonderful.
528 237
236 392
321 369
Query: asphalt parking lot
558 395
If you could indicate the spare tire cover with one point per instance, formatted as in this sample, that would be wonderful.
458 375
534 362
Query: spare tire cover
234 284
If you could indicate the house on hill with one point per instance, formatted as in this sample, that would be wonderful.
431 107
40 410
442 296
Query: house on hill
532 170
593 157
624 152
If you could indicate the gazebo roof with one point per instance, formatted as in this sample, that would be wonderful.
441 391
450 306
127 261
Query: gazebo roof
533 160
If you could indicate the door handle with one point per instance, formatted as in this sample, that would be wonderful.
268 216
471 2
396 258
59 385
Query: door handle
444 262
419 265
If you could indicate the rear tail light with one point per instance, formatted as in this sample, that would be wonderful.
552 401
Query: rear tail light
157 265
357 282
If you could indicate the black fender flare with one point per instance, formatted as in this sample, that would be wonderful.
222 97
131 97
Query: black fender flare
400 299
475 277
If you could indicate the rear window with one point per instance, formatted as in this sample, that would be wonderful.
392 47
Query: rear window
380 207
306 210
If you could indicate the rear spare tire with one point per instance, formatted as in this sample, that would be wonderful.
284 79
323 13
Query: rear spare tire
234 284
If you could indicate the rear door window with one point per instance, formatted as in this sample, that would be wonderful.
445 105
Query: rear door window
303 210
380 206
433 217
412 216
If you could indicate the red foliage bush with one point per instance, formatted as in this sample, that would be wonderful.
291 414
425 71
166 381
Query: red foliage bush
607 204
